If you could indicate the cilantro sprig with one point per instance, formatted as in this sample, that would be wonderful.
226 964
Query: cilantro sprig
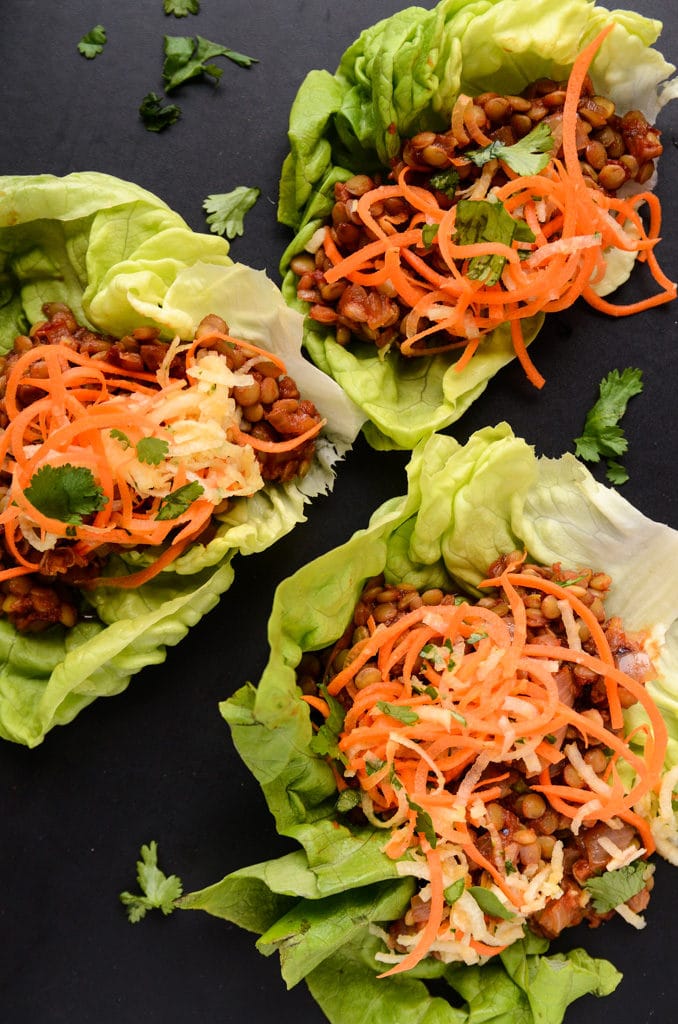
157 889
613 888
602 436
67 493
93 42
226 210
157 115
529 155
188 57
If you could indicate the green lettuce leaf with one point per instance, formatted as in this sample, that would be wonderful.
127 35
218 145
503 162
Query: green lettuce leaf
120 258
464 506
402 76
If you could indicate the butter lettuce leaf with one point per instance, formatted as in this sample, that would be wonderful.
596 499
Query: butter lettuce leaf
401 76
120 258
465 505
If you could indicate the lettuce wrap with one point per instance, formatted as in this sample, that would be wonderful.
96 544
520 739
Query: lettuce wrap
120 258
399 78
317 906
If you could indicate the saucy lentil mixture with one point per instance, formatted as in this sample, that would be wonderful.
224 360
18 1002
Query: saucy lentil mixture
268 409
614 150
498 811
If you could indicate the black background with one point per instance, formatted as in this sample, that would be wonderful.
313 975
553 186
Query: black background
157 761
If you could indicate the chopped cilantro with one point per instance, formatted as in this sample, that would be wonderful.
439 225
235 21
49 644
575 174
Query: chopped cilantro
510 867
151 450
178 501
325 742
67 493
475 638
603 437
428 233
349 799
187 57
155 116
529 155
121 436
372 767
157 889
393 779
402 714
613 888
226 210
445 182
480 220
490 903
454 891
424 824
92 44
181 8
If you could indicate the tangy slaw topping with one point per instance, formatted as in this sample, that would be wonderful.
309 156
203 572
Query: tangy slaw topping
475 233
487 741
116 445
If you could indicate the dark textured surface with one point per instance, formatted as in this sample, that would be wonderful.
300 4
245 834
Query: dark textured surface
157 761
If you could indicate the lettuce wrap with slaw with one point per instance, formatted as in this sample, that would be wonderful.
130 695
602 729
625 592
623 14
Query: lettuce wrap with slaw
400 78
120 259
325 907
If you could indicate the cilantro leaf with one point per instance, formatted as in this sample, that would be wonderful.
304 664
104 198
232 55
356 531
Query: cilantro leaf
155 116
151 450
479 220
121 436
602 436
401 713
529 155
454 891
613 888
326 740
187 57
348 799
490 903
67 493
428 233
226 210
157 889
445 182
424 823
176 502
92 44
180 8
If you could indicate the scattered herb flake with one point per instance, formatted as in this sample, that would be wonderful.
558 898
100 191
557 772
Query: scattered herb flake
490 903
602 436
428 233
152 450
67 493
175 503
92 44
402 713
157 889
155 116
613 888
181 8
475 638
372 767
325 742
187 57
445 182
454 891
349 799
424 824
121 436
226 210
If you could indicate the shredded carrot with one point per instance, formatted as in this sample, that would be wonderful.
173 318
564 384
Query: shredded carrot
574 226
463 691
81 409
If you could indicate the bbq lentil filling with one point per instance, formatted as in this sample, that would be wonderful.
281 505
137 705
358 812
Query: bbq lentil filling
613 150
253 422
502 802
